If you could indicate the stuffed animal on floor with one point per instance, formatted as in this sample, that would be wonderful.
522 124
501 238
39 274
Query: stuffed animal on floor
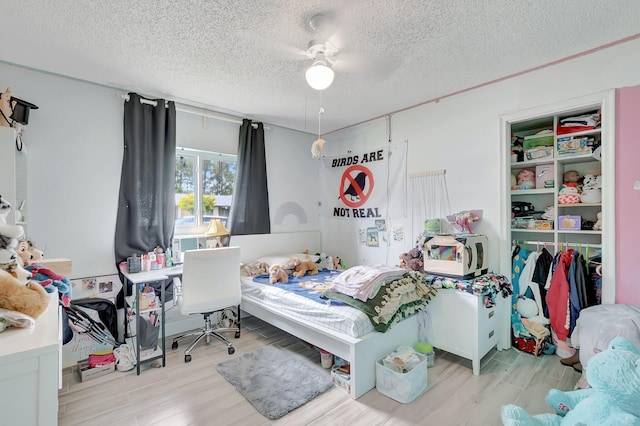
613 399
31 299
305 267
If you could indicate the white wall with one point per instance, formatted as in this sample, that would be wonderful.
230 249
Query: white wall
75 156
462 135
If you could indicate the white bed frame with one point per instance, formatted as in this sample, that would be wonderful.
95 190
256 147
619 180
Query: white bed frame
362 352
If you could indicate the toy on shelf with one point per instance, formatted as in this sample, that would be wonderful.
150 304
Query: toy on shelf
591 189
526 179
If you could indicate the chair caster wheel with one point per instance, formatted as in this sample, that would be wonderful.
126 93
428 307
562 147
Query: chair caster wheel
231 350
174 345
187 358
237 335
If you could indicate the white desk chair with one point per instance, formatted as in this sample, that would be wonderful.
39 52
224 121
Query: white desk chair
210 284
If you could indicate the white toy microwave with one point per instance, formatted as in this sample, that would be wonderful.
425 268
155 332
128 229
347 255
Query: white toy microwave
462 256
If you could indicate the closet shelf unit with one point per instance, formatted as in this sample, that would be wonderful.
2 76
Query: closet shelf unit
555 163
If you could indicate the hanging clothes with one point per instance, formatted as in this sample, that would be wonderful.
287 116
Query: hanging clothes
518 259
526 282
541 274
558 297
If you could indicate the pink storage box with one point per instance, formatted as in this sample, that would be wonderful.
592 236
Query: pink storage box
545 176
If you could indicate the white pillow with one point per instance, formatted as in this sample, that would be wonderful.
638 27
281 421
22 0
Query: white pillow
281 259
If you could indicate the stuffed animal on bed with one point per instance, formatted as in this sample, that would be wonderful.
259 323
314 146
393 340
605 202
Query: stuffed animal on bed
277 274
613 399
305 267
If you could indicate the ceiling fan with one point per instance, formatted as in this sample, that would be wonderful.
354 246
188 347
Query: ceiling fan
322 52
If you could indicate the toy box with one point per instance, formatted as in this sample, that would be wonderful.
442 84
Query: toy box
462 255
87 373
569 223
545 176
403 387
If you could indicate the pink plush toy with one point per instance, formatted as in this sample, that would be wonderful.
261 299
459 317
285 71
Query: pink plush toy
526 179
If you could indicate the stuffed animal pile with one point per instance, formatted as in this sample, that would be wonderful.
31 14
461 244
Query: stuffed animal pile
17 292
613 399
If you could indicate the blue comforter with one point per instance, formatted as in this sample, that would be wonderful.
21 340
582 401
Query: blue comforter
309 286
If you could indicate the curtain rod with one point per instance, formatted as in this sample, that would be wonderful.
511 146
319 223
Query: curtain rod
198 111
430 173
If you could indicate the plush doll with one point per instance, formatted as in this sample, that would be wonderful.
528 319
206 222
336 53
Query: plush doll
569 194
31 299
277 274
598 225
256 268
28 253
305 267
613 399
526 179
336 263
591 189
571 176
411 260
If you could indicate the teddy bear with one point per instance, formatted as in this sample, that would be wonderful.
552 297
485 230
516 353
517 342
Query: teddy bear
31 300
614 376
304 267
411 260
568 194
526 179
591 189
598 225
277 274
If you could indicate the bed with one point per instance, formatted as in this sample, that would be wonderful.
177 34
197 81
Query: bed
362 350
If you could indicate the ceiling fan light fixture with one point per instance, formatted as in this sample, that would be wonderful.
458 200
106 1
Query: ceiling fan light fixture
319 75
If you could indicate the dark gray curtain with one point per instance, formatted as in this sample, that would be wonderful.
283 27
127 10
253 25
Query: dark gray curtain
250 207
147 183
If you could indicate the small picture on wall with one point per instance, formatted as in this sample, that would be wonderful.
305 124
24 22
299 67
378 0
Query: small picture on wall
373 237
398 234
362 236
89 285
105 286
381 225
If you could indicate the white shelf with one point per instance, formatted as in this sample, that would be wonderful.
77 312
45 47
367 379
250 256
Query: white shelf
537 231
533 191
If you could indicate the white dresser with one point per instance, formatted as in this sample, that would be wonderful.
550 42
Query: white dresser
30 371
462 325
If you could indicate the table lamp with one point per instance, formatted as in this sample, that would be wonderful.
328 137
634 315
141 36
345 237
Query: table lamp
216 229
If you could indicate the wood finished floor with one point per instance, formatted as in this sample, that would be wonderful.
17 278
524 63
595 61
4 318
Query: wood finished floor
195 394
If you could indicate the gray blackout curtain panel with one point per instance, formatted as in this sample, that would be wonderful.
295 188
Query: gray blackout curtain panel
147 183
250 206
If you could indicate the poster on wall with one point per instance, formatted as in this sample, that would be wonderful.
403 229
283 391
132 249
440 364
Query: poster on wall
365 185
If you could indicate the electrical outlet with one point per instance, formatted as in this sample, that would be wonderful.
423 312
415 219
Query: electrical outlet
636 185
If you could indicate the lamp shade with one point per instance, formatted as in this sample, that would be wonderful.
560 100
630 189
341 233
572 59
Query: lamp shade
216 229
319 75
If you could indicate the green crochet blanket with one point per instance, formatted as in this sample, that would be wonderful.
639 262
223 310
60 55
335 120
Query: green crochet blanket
395 301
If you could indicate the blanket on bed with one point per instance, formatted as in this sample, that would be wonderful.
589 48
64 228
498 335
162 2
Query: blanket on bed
395 301
309 286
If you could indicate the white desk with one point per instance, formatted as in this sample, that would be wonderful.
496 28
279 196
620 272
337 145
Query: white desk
136 279
30 371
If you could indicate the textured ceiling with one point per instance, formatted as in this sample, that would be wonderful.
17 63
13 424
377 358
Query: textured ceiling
245 57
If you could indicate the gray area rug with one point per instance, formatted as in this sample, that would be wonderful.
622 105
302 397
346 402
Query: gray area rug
275 380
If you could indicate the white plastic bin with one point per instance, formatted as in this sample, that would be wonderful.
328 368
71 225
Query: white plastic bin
403 387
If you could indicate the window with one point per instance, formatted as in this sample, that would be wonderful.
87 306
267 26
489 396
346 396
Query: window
204 187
